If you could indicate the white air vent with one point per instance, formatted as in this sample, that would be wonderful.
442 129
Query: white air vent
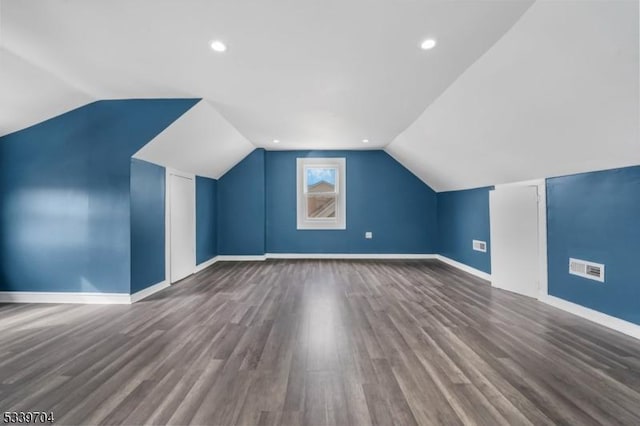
480 246
585 269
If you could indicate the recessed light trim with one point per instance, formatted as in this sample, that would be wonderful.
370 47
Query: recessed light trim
218 46
428 44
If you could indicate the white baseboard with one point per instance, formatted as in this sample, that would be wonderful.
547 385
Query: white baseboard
139 295
240 258
64 297
625 327
206 264
249 258
347 256
466 268
80 297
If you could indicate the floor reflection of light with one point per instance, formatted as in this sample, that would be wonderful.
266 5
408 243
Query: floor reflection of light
322 311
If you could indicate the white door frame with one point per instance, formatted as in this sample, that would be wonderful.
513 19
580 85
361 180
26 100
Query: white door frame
167 217
543 283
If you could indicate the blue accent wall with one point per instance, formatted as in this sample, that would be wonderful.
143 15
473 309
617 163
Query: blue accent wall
382 197
64 196
596 217
206 219
147 224
241 207
463 216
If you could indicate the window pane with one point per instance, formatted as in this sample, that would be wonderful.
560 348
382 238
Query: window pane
321 179
321 206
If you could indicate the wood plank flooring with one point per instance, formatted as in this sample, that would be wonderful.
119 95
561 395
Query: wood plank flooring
319 342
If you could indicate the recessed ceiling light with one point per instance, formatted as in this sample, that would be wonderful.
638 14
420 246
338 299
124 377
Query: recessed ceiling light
365 140
276 141
218 46
428 44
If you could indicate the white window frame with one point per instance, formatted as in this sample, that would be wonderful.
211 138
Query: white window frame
340 221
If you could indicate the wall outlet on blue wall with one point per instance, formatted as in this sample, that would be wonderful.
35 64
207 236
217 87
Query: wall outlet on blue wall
368 235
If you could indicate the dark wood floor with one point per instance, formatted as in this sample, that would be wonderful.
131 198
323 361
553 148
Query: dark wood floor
319 342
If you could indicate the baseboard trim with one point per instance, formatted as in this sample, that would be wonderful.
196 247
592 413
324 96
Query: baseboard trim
139 295
624 327
348 256
204 265
253 258
80 297
64 297
240 258
466 268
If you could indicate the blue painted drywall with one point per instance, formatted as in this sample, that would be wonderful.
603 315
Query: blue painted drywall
147 224
241 207
382 197
64 196
596 217
463 216
206 219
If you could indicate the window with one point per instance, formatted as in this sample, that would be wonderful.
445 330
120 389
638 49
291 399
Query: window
321 193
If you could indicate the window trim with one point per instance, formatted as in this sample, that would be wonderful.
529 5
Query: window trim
340 221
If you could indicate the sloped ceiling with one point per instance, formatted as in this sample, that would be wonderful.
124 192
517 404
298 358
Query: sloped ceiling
512 91
558 94
312 73
30 94
201 142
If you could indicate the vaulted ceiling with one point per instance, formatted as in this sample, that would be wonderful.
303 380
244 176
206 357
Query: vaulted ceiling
557 94
513 90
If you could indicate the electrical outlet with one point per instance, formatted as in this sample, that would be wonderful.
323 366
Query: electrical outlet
368 235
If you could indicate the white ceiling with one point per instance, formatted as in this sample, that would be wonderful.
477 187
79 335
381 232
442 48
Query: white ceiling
29 94
311 73
201 141
558 94
501 98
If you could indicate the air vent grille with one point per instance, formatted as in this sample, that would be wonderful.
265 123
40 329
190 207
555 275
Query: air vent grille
594 271
577 267
480 246
586 269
